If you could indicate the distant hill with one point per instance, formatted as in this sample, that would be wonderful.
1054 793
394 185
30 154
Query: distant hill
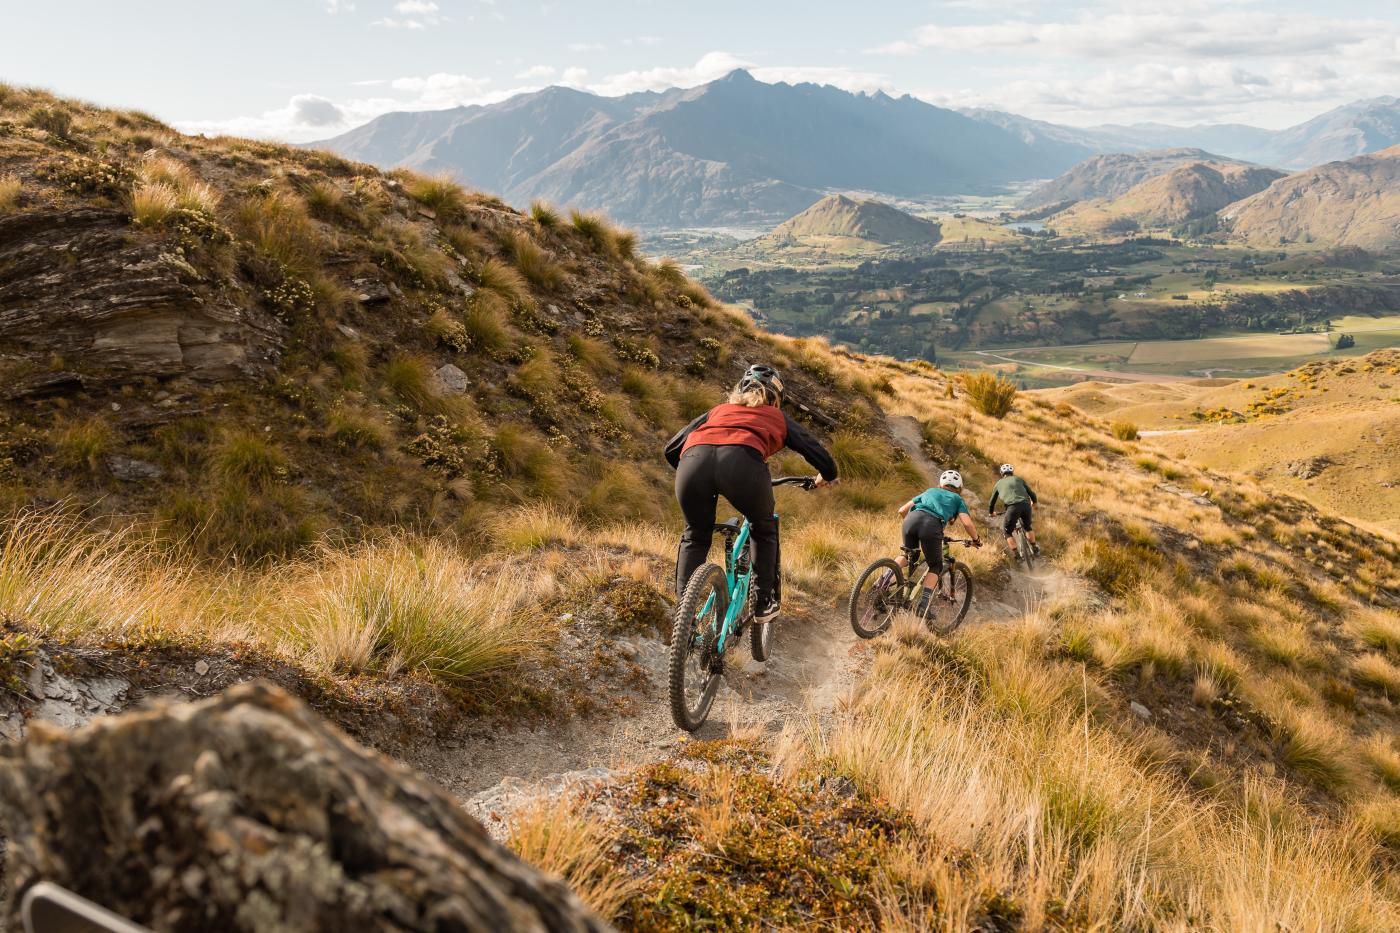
733 150
1189 191
840 216
1350 203
1111 175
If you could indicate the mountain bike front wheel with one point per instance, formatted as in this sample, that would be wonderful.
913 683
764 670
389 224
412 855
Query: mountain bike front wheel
875 597
950 603
695 662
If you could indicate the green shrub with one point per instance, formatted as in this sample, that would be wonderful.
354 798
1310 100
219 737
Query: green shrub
990 394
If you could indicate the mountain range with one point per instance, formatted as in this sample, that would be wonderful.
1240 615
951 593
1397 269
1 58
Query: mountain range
737 150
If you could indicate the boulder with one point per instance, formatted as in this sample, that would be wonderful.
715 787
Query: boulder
448 380
131 470
1307 468
248 812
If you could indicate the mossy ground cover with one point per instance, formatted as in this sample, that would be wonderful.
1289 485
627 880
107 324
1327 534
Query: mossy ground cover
720 840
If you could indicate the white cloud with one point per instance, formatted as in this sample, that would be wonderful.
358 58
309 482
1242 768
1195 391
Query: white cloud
339 6
536 73
1188 33
641 40
573 77
413 7
389 22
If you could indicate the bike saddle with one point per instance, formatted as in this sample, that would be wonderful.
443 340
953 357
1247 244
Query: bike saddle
729 527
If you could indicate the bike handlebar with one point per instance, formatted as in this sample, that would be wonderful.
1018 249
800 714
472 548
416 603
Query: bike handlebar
805 482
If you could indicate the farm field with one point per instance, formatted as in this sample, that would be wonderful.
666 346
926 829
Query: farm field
1229 356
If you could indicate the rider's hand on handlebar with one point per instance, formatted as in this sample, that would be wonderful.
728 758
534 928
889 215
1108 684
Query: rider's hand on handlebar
818 482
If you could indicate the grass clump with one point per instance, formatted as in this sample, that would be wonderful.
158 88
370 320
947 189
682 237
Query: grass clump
533 261
279 229
439 193
10 187
56 121
83 444
1124 430
559 837
248 458
410 378
1376 672
533 527
353 429
596 231
496 276
396 607
544 215
990 394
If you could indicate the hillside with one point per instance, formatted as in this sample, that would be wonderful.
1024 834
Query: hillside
1189 191
394 446
839 216
1351 203
733 150
1329 432
1112 175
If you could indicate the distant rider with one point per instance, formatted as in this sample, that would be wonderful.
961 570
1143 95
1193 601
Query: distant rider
925 517
1020 501
724 452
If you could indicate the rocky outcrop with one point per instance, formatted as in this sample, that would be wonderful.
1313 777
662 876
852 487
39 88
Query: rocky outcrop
248 812
84 302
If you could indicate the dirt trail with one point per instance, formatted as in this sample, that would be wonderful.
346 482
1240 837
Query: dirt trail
816 660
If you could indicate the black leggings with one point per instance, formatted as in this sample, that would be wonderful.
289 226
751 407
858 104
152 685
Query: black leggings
925 530
737 472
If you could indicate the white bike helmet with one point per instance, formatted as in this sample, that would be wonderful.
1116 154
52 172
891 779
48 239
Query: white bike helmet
1007 469
951 478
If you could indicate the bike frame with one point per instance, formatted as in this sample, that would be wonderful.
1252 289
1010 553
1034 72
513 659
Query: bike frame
738 584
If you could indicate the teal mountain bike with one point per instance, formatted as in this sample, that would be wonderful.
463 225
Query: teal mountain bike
712 615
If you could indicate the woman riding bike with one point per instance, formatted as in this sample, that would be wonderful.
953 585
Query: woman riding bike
725 452
925 517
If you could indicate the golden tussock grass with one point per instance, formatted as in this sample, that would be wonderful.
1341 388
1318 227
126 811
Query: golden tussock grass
561 837
10 187
533 261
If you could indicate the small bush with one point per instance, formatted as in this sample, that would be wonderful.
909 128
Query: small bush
1124 430
990 394
861 457
547 217
9 192
52 120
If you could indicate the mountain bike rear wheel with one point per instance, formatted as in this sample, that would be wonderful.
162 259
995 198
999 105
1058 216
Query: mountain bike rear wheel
1024 550
875 597
950 603
695 663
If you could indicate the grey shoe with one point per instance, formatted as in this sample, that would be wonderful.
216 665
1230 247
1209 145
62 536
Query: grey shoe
767 612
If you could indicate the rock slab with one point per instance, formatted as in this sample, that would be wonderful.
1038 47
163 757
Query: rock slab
249 812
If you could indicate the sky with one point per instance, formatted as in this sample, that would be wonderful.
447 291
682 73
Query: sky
300 70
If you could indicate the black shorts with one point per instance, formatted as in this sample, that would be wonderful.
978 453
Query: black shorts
924 530
1016 512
